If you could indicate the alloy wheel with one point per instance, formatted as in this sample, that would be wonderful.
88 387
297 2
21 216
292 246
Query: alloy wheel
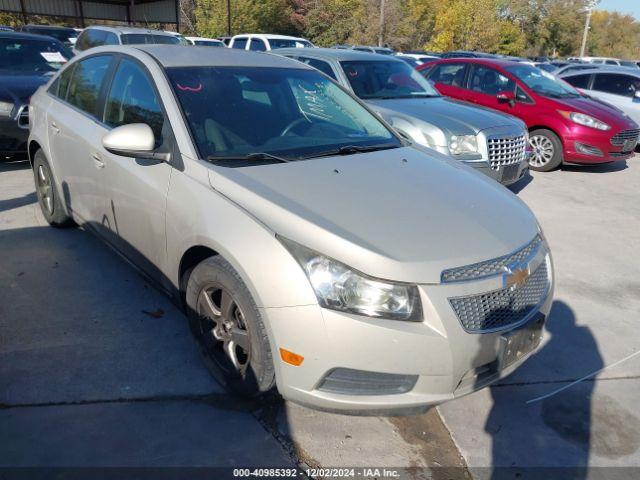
45 188
223 330
543 150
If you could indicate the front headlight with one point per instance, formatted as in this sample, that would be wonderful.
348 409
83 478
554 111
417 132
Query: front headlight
585 120
5 109
341 288
461 144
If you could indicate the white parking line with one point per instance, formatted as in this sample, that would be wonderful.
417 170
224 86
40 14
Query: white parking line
533 400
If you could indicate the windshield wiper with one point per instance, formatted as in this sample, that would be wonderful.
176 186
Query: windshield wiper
351 149
255 156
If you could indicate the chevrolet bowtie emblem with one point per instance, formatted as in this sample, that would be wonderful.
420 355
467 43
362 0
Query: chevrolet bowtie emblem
516 277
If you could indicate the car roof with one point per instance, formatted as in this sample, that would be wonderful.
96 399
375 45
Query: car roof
338 54
270 36
125 30
25 36
198 56
48 27
496 62
635 72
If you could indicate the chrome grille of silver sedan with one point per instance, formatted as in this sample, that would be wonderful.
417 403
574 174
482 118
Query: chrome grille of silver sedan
488 268
506 150
502 308
621 137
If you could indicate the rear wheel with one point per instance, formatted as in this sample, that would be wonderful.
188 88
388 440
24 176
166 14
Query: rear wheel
547 150
226 322
49 198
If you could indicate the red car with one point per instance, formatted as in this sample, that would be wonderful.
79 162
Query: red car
565 126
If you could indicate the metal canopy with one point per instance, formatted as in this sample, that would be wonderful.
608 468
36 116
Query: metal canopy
124 11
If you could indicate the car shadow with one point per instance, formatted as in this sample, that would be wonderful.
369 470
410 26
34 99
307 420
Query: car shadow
597 168
518 186
555 431
11 165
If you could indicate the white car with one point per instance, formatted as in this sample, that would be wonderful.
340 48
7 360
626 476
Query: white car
420 58
618 86
259 42
206 42
311 247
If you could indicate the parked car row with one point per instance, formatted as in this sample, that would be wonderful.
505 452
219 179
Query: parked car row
313 248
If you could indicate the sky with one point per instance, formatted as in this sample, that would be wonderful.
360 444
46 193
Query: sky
622 6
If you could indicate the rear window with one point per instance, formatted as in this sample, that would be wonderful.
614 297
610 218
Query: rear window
148 38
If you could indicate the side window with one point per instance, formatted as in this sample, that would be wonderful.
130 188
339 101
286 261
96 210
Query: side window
132 99
489 81
611 62
449 74
321 65
616 84
86 83
61 85
111 38
257 45
521 96
579 81
240 43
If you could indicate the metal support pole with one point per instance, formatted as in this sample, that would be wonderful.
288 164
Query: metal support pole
24 12
229 17
381 30
592 4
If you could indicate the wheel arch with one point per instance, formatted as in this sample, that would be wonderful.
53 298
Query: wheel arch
33 147
190 258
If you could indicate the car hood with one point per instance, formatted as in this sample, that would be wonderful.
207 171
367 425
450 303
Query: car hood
598 109
18 88
453 116
396 214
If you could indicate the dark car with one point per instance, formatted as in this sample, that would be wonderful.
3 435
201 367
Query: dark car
66 35
26 62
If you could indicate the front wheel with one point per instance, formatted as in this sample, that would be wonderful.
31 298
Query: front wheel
226 322
49 198
547 150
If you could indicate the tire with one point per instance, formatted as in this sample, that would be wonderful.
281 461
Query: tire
547 154
49 197
224 319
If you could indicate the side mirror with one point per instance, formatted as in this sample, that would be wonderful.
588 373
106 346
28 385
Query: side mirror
636 96
506 97
133 140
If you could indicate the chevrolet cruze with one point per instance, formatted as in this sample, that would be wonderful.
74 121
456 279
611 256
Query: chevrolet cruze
313 250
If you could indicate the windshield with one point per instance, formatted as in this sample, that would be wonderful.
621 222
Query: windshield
288 43
375 79
60 34
292 113
139 38
32 55
541 82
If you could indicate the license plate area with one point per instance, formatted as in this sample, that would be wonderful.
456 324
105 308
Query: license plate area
516 344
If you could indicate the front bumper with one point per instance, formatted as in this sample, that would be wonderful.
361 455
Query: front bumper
595 148
506 175
13 139
446 360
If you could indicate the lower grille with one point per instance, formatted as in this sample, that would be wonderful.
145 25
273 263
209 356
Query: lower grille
510 172
347 381
506 150
23 117
621 137
620 154
502 308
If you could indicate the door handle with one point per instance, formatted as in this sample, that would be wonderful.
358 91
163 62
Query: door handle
97 160
55 127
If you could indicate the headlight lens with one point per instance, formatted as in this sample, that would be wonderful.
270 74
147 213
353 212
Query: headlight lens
338 287
584 119
5 109
461 144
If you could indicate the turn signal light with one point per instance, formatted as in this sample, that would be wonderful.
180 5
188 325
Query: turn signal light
291 358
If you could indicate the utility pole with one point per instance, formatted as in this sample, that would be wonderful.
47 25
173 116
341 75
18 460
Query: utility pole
381 31
229 17
590 6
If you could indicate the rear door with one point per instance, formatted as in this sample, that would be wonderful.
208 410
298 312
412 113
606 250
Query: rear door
75 134
450 79
135 190
619 90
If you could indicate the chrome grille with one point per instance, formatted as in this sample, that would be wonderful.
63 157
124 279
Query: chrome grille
506 150
488 268
620 138
502 308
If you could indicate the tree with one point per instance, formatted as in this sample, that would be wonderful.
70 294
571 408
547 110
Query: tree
614 35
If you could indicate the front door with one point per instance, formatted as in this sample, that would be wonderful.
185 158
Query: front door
135 190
